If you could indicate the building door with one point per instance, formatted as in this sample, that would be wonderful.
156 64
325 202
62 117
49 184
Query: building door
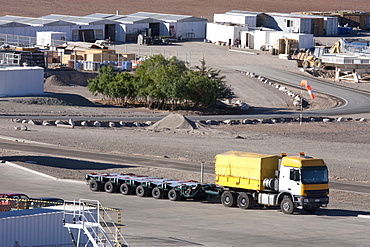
110 32
154 29
86 35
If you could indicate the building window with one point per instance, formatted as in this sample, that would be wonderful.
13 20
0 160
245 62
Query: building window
289 23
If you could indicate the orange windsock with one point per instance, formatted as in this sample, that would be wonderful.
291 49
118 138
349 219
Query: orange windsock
311 94
303 83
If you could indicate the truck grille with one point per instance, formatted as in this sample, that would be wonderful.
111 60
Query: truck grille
315 193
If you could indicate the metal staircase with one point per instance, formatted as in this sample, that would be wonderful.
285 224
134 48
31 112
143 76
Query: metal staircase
92 219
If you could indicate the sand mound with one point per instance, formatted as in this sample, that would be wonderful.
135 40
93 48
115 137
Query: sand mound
68 78
173 122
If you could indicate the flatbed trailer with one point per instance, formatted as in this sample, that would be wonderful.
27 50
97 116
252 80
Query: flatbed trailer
145 186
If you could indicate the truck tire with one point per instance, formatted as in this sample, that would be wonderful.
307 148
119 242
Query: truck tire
305 64
141 191
228 198
317 64
245 201
125 189
287 206
110 187
94 185
174 195
157 193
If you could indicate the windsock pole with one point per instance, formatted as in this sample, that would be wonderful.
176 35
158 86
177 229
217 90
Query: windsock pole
303 84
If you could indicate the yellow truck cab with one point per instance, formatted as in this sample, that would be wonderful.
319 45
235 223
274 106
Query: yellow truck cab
249 179
305 180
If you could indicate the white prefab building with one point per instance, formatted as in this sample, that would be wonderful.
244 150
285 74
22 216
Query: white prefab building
258 38
299 23
50 38
35 227
106 26
21 81
228 34
175 26
237 17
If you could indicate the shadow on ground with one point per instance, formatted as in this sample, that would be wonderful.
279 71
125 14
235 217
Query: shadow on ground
64 163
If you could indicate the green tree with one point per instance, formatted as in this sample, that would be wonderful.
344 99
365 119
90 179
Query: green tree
100 84
122 88
205 86
157 79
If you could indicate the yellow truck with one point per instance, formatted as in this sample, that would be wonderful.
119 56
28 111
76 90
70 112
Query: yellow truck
291 182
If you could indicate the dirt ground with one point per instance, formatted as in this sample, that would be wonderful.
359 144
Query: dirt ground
343 145
204 9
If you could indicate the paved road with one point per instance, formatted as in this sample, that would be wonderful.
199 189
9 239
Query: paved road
354 101
150 222
107 158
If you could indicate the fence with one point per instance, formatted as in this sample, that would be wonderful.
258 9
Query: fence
22 41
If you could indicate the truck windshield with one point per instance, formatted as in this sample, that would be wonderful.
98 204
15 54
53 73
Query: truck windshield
314 175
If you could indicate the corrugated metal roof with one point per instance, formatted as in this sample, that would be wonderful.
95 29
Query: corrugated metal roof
99 15
167 17
139 17
244 12
288 15
27 212
135 19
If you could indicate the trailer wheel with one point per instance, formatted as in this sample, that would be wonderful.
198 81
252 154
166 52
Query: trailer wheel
287 206
228 198
174 195
125 189
94 185
109 187
141 191
245 201
157 193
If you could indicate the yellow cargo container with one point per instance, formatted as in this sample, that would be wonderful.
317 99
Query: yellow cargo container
244 170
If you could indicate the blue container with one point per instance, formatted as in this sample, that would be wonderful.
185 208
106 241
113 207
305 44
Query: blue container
126 65
78 65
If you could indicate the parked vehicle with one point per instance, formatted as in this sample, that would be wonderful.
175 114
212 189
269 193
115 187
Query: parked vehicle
242 179
291 182
159 188
13 201
46 202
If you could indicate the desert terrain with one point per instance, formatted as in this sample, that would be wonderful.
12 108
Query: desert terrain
204 9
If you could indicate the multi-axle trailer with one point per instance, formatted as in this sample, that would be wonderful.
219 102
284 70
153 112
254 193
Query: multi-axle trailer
143 186
242 179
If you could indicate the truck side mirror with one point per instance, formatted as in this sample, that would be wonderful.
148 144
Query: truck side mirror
294 175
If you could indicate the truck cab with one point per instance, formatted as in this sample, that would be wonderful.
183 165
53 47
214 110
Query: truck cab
304 180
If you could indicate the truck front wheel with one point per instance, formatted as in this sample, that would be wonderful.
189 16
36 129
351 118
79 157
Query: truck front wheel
287 206
245 201
228 198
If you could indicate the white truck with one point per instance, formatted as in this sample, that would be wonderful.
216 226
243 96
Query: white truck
291 182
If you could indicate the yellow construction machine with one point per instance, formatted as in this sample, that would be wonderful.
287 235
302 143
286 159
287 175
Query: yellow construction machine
309 59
